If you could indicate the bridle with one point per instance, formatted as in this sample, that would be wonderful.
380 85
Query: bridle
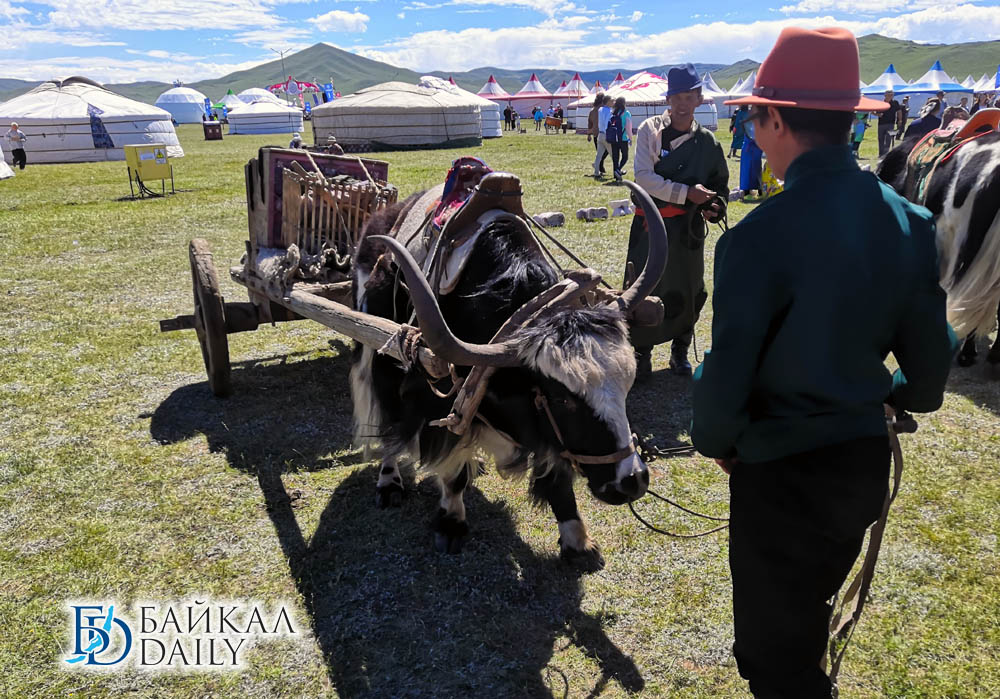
542 405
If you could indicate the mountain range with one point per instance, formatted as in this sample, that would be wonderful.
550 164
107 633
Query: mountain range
350 72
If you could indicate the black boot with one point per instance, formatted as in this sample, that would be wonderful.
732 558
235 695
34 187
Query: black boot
643 364
679 364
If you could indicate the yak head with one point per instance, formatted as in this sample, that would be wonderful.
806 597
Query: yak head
562 376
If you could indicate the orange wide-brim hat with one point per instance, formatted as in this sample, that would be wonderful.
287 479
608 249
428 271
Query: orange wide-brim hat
812 69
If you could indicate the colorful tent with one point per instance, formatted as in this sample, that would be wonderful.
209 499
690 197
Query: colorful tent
492 91
617 81
531 95
77 120
889 80
644 98
489 111
394 115
575 88
930 83
186 105
265 116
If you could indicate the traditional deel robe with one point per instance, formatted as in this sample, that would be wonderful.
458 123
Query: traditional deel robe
751 157
813 289
666 170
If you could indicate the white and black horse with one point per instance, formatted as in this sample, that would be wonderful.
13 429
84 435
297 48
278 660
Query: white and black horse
963 193
555 404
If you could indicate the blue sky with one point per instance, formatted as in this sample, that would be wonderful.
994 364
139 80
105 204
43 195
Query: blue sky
126 40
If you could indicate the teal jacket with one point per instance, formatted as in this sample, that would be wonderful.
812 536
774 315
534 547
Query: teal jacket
813 290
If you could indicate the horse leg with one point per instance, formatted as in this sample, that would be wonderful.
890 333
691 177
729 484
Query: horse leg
450 528
967 355
576 546
993 358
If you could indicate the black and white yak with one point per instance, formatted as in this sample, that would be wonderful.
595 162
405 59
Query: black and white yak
963 193
578 361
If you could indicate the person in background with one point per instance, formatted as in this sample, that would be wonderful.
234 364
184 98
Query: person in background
592 131
683 168
929 119
619 135
296 141
558 112
603 117
16 140
507 123
982 100
858 135
736 129
901 116
751 162
539 116
964 103
789 400
886 122
515 120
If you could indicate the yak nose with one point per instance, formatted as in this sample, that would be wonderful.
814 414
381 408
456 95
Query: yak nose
634 485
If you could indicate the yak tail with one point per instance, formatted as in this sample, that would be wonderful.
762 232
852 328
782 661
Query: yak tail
974 295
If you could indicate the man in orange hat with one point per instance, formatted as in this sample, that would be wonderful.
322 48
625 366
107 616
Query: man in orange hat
813 289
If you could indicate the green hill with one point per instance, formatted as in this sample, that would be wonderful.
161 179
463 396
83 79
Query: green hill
913 60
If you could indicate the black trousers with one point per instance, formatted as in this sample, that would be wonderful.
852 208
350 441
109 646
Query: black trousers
18 157
796 528
507 124
884 139
619 156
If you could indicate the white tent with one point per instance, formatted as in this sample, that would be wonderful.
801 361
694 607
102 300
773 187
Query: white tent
889 80
930 83
231 100
5 170
489 111
532 94
394 114
265 117
969 82
257 94
711 90
575 88
186 105
989 83
644 98
77 120
492 91
619 79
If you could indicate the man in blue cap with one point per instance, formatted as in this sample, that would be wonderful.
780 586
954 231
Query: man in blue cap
683 167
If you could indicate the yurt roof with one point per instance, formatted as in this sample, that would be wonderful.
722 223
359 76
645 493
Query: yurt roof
641 88
231 100
619 79
257 93
399 95
492 89
533 88
181 95
934 80
71 98
434 83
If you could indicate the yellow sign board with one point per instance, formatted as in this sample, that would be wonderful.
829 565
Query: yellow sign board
148 162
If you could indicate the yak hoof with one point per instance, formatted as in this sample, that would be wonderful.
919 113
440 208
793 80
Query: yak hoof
390 495
588 560
449 533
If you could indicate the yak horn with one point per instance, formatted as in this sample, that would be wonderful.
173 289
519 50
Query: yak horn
656 259
433 327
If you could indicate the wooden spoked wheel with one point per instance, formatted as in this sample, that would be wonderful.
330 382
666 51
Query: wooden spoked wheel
210 318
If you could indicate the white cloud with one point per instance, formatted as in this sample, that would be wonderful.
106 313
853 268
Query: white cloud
340 21
11 11
617 28
401 15
106 69
636 16
161 14
860 7
267 38
549 8
18 35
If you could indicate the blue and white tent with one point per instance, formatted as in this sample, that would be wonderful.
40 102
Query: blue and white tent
889 80
988 83
934 80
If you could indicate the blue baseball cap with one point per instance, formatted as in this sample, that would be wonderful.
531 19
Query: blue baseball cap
681 79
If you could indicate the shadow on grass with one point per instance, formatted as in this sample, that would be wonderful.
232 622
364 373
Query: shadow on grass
976 384
391 616
660 409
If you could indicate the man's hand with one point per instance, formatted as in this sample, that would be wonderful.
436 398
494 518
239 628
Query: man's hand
712 212
588 138
727 464
699 194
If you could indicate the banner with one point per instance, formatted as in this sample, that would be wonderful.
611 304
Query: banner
328 92
208 108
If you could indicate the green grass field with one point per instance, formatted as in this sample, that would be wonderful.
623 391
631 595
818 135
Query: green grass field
122 478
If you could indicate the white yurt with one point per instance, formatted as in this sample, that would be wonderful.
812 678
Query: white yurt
533 94
489 111
77 120
5 170
644 98
397 115
257 94
265 117
185 104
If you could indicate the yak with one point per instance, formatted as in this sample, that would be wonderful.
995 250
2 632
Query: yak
554 406
963 194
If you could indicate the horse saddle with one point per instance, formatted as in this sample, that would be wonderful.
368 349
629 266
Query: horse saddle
940 145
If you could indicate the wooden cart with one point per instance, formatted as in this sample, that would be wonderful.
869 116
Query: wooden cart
553 124
318 204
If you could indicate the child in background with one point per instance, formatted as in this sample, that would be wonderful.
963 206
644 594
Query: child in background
858 132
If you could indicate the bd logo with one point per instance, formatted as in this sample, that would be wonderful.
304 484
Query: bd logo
99 637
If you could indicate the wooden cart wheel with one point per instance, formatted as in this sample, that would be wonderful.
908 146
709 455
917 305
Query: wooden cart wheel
210 318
